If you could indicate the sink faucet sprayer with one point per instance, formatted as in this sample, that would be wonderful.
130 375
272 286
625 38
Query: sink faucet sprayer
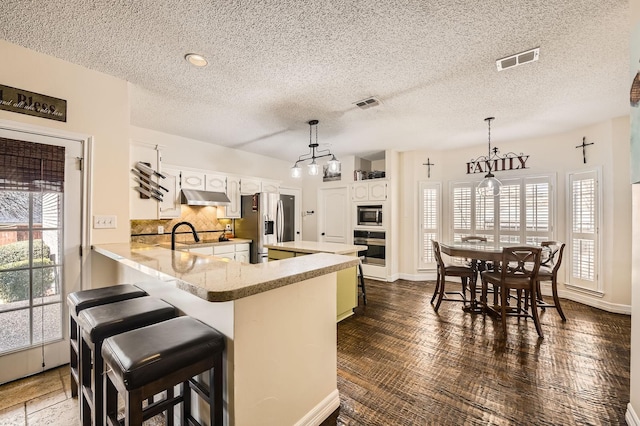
173 233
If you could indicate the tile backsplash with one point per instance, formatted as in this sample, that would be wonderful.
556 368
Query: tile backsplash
204 219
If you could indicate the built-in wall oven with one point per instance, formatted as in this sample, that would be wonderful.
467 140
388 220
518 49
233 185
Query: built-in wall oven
375 254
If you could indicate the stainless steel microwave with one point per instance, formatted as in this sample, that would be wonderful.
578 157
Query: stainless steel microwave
370 215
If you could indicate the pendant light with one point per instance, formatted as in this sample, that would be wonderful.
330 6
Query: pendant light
490 186
313 168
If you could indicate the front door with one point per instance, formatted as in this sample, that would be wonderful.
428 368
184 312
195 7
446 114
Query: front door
40 238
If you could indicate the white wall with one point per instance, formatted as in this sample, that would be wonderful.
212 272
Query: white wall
181 151
97 106
553 154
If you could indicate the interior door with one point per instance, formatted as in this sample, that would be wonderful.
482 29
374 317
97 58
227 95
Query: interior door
333 221
43 231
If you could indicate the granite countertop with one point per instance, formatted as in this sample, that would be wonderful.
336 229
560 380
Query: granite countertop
316 247
221 280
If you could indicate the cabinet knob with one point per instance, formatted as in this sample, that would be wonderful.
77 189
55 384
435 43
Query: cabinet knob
322 234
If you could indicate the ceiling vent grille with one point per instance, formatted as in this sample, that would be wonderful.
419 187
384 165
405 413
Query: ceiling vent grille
368 103
518 59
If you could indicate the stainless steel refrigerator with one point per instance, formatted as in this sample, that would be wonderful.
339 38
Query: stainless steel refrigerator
267 218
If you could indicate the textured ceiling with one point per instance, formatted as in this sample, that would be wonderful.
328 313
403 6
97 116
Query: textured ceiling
274 65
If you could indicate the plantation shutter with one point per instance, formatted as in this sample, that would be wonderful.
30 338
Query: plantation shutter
583 219
429 195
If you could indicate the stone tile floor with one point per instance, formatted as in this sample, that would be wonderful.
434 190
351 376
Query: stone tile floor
44 399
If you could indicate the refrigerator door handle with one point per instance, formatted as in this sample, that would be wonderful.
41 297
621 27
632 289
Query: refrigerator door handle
280 221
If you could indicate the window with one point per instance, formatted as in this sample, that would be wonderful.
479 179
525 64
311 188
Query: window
521 214
429 200
583 211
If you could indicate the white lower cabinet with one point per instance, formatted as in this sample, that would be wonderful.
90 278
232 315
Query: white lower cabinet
237 252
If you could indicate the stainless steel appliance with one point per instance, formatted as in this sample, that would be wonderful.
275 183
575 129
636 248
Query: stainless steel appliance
266 219
369 215
375 254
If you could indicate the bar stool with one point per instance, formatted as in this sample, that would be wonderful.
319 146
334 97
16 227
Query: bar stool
98 323
154 359
79 300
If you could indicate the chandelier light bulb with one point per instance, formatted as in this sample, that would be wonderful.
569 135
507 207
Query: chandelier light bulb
314 169
296 171
334 164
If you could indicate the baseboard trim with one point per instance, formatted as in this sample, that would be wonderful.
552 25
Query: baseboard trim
631 417
324 409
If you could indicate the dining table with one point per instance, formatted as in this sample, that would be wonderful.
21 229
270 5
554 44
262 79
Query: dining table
481 254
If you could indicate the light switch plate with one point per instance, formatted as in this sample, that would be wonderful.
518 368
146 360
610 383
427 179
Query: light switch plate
104 222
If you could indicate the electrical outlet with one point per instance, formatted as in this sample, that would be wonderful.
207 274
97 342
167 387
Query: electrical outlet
104 222
160 230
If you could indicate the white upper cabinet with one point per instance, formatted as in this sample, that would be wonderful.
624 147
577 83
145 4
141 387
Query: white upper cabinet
233 192
270 185
216 182
377 191
170 204
249 186
369 191
142 206
193 180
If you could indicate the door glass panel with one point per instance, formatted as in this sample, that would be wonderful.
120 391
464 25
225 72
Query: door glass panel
12 333
47 320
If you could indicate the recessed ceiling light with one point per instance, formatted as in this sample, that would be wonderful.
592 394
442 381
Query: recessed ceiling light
196 60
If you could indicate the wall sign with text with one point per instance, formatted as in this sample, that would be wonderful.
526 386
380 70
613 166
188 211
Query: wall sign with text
30 103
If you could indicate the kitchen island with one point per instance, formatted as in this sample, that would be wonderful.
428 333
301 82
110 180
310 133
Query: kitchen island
347 285
278 319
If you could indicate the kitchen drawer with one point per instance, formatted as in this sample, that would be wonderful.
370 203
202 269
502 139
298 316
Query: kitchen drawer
227 248
201 250
242 247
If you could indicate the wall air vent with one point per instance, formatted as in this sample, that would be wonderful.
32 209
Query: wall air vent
368 103
518 59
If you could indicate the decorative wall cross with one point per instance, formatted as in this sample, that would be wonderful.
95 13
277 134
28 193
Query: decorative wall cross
428 164
584 148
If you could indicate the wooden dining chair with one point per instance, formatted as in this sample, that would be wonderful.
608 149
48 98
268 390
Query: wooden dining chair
465 274
479 265
549 266
513 275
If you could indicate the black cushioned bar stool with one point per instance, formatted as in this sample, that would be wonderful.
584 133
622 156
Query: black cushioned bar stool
98 323
84 299
150 360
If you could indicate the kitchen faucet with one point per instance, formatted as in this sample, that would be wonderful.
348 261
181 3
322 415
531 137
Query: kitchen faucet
173 233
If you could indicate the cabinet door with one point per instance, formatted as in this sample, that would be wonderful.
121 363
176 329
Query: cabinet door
193 180
233 192
270 186
242 256
360 191
216 182
141 207
377 191
249 186
170 204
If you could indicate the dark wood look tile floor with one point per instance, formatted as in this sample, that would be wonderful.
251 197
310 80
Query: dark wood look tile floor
400 363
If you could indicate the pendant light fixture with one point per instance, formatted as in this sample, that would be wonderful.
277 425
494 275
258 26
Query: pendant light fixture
489 186
313 168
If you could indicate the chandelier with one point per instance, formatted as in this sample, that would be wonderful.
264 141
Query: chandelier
314 168
489 186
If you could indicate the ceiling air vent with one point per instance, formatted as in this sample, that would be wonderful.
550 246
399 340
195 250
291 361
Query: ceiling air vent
518 59
368 103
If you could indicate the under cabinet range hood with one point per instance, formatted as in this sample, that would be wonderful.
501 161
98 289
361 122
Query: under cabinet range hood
196 197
